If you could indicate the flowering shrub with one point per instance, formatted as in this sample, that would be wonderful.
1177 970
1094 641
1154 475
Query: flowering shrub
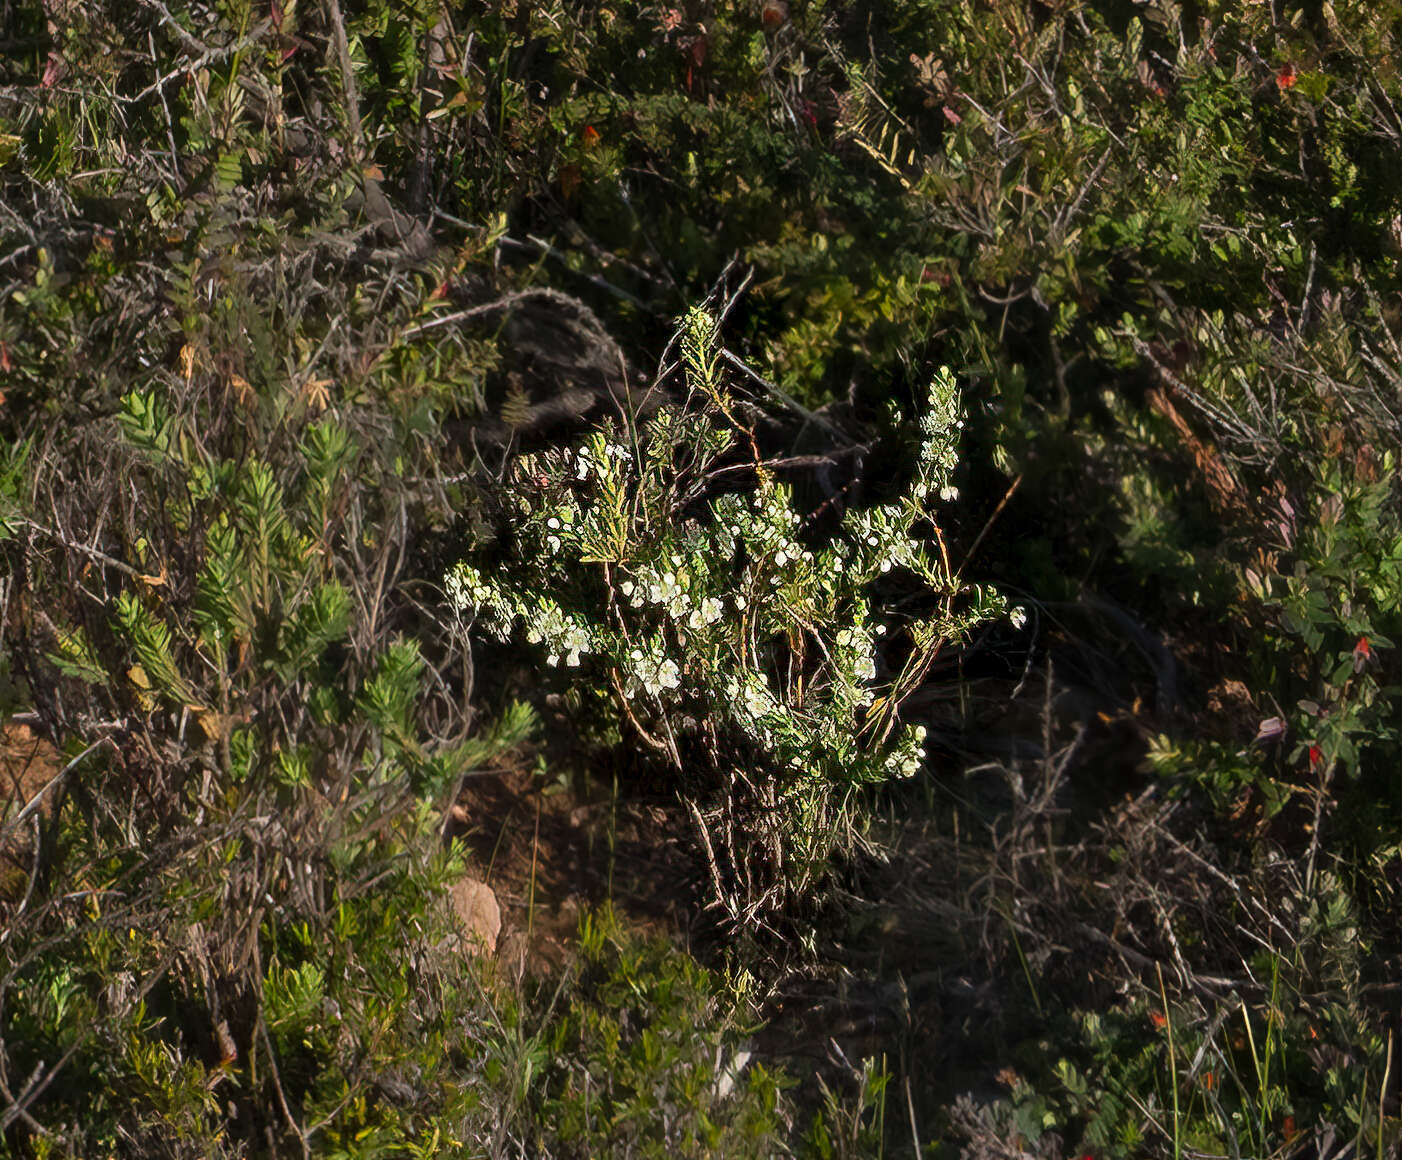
722 618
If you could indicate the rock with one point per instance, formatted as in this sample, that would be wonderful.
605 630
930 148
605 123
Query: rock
476 908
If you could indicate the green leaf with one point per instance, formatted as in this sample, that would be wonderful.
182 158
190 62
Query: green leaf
150 638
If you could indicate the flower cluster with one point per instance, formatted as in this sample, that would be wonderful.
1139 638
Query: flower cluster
909 751
565 635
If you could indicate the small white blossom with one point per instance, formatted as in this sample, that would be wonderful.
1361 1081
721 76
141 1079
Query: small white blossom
756 700
574 640
666 590
708 612
1018 616
948 493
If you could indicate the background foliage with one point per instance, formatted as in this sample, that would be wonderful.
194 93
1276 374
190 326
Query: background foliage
398 394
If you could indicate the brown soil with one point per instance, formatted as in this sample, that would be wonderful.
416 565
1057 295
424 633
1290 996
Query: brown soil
548 853
28 764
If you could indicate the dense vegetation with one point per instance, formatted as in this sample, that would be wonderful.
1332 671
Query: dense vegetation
870 526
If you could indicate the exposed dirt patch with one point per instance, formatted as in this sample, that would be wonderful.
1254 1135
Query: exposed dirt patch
547 853
28 766
27 763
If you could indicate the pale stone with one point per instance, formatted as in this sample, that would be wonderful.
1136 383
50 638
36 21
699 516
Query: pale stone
477 910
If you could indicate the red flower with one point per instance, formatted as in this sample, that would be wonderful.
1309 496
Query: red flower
1286 78
589 136
1157 1018
1362 654
1316 756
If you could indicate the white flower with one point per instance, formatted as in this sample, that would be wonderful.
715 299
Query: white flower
948 493
756 700
666 590
574 640
708 612
1018 616
656 675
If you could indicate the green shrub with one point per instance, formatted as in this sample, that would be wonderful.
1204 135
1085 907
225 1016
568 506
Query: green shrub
648 1059
732 636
